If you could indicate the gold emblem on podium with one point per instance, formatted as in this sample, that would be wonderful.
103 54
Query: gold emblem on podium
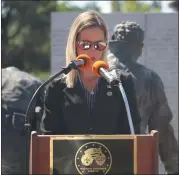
93 157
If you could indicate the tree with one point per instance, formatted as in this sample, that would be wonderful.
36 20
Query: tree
143 7
92 6
64 7
115 6
134 6
174 5
156 6
129 6
5 19
26 33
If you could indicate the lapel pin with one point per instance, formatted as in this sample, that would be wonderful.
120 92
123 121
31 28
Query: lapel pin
109 93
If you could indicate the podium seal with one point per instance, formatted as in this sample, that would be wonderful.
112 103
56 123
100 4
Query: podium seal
93 157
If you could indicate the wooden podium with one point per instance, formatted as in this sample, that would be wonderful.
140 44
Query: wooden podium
89 154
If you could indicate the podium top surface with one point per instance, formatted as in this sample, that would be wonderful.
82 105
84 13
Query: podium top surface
153 133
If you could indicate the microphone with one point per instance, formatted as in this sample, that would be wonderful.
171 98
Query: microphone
100 68
82 62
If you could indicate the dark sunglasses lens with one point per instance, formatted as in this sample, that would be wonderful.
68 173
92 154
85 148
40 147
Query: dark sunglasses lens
100 46
84 45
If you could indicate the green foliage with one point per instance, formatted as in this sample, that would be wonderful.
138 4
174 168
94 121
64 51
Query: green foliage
41 75
64 7
115 6
143 7
156 6
135 6
129 6
92 6
26 33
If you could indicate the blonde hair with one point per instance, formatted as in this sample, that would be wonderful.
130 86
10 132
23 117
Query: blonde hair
85 20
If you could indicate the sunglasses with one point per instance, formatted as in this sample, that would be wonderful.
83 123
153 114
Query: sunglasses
85 45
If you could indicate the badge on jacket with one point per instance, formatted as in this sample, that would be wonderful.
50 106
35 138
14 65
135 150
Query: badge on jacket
109 93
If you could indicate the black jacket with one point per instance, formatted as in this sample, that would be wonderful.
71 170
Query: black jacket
66 111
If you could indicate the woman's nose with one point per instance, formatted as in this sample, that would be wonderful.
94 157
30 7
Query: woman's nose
93 48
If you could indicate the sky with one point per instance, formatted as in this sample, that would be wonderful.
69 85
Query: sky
105 5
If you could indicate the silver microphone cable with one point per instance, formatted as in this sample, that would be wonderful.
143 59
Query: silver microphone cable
127 108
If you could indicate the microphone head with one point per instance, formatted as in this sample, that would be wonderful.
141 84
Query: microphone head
97 65
87 61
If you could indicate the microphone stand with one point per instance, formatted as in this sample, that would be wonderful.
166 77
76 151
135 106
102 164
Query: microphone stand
127 108
27 125
115 82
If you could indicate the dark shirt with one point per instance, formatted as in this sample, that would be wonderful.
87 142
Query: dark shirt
90 97
66 110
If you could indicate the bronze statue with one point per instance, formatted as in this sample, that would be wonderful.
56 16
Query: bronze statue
125 47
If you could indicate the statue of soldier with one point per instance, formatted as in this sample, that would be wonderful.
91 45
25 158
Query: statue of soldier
125 47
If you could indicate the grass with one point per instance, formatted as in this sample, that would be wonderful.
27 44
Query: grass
41 75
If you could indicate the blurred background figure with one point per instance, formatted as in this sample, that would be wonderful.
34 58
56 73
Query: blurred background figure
126 46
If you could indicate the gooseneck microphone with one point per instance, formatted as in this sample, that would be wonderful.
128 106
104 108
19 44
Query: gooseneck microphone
100 69
82 62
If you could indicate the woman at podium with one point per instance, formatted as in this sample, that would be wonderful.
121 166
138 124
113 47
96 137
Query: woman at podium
82 102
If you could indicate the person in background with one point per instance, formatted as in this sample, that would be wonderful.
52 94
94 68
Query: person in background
125 47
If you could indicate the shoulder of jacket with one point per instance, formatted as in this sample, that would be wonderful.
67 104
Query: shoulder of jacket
58 82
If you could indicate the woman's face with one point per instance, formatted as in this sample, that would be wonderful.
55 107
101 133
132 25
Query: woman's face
91 41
